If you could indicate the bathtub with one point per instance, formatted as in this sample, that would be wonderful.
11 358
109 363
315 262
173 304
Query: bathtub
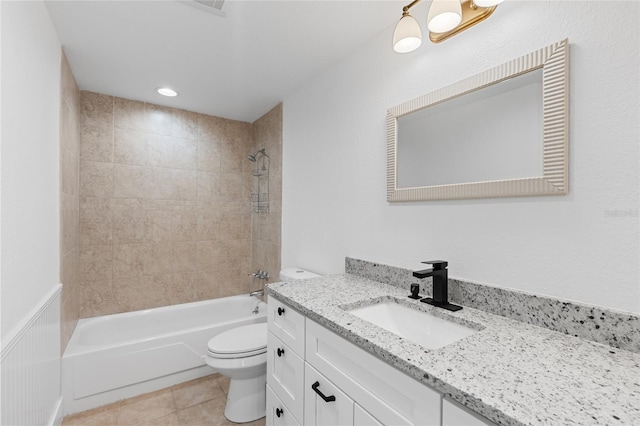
119 356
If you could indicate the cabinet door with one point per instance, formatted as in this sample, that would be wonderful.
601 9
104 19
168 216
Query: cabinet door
277 412
362 418
324 403
454 414
285 374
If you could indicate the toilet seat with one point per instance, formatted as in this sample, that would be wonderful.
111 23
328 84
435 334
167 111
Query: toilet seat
240 342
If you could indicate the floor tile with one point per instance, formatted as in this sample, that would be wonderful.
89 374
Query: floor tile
197 391
168 420
205 414
146 407
107 415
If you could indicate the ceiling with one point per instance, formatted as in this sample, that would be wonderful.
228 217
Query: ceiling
238 67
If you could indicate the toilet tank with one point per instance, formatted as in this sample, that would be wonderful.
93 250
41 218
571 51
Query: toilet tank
289 274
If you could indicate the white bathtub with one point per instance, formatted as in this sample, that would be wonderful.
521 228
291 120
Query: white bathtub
114 357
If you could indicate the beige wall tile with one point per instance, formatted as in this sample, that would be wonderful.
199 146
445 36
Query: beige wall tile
184 124
96 127
184 225
208 225
231 187
207 255
128 114
97 179
96 263
141 292
180 287
129 226
208 186
159 259
158 226
97 298
184 256
96 227
207 285
129 181
158 119
209 155
69 233
159 183
69 202
130 260
185 184
177 188
130 147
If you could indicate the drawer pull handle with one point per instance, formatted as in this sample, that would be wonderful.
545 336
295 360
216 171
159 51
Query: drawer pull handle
280 311
323 396
279 412
280 352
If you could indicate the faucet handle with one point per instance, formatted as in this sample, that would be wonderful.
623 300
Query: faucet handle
437 264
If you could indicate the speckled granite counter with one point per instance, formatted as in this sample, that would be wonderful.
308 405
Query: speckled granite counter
510 372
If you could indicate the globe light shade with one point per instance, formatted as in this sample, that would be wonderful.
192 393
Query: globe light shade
407 36
487 3
444 15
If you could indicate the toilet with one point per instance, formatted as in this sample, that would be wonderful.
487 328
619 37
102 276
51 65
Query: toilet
241 355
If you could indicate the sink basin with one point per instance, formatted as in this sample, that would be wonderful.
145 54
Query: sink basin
416 326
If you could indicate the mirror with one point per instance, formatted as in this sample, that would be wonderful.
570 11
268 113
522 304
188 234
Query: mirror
501 133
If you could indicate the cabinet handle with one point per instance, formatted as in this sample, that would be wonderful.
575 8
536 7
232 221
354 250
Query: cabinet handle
280 352
279 412
280 311
330 398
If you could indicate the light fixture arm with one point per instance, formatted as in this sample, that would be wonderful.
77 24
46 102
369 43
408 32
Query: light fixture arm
405 10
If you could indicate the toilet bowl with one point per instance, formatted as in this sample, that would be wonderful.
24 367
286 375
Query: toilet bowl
241 355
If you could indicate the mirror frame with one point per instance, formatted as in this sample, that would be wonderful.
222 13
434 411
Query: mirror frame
554 61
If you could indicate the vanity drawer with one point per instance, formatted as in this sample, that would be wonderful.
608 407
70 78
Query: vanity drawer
389 395
277 413
285 374
287 324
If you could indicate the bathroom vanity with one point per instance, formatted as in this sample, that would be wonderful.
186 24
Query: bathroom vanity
327 366
319 378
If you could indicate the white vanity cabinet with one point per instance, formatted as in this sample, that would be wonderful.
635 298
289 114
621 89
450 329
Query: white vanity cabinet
285 364
387 395
317 378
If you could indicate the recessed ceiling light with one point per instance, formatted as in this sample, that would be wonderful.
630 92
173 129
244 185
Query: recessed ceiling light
165 91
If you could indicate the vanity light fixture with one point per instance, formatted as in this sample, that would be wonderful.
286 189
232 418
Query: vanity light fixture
446 18
165 91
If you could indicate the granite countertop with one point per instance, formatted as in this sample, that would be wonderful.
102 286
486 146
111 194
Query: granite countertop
510 372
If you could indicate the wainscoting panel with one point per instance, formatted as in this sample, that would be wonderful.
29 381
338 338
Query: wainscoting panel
31 367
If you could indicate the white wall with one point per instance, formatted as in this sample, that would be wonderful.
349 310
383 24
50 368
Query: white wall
582 247
30 80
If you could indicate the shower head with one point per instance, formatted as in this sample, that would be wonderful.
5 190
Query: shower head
253 157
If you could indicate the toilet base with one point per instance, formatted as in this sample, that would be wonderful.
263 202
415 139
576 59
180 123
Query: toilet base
246 399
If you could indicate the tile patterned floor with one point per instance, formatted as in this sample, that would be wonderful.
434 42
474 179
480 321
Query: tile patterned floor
199 402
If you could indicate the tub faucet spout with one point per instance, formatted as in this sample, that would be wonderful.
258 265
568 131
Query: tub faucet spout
257 293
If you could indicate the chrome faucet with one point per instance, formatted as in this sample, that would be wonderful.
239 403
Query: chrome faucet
261 275
440 292
257 293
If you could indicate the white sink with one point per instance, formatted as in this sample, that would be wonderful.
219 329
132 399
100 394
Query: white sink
414 325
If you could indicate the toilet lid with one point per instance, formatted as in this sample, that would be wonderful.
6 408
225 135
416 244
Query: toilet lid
239 342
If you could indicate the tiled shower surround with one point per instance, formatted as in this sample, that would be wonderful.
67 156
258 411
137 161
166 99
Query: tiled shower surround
69 201
165 214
